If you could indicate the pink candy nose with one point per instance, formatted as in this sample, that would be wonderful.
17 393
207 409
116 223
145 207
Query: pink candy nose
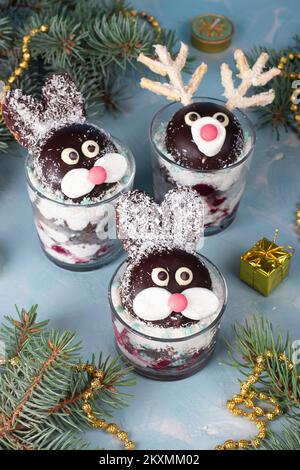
178 302
208 132
97 175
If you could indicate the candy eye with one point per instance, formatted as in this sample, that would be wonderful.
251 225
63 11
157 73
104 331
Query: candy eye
222 118
160 276
90 148
70 156
183 276
191 117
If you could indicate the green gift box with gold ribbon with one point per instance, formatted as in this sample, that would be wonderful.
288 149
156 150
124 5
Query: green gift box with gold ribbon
265 265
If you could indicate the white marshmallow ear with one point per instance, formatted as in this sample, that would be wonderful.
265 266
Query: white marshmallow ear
75 183
152 304
183 218
201 303
115 166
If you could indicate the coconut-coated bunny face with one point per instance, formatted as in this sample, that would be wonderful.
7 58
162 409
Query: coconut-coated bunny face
165 282
169 288
204 135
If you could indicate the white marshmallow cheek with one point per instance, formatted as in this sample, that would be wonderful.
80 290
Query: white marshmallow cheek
75 183
209 148
201 303
115 166
152 304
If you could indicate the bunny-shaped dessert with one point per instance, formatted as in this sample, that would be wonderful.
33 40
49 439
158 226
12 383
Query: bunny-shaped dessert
70 158
165 283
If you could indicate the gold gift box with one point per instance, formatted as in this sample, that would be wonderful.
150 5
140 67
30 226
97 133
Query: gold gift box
265 265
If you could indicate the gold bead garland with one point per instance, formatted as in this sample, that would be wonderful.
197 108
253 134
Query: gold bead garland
97 376
294 98
25 55
247 398
45 28
144 16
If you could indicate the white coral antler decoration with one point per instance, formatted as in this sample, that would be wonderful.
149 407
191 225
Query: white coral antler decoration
250 77
165 66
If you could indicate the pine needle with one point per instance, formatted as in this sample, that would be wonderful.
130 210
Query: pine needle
91 40
255 338
41 389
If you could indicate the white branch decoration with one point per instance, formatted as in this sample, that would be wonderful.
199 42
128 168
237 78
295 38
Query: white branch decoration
249 77
166 66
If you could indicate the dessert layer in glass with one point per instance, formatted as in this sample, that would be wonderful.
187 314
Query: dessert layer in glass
79 236
166 353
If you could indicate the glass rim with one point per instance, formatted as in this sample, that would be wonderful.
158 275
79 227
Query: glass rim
182 338
93 204
234 165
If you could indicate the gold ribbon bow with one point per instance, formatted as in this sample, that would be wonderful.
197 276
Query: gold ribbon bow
266 255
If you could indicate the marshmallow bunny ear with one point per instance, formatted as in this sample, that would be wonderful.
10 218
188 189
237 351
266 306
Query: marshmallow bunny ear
31 121
138 219
183 218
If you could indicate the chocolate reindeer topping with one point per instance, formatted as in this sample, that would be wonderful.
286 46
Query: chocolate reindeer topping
205 135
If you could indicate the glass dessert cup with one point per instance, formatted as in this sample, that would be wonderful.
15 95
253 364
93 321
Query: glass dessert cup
79 237
221 189
166 358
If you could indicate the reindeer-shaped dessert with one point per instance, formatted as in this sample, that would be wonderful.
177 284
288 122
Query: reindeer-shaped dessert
165 282
69 156
206 135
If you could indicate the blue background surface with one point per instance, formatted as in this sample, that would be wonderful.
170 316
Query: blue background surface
189 414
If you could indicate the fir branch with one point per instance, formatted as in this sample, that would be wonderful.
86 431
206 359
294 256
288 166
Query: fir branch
278 115
93 41
5 138
58 348
20 330
253 339
289 439
41 393
6 35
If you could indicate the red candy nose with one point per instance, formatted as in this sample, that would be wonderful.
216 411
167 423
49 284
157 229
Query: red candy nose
97 175
208 132
178 302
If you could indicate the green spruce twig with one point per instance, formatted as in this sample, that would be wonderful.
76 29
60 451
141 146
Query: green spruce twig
288 439
91 40
41 390
278 114
253 339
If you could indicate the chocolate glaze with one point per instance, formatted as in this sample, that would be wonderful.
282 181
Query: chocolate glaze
49 164
138 277
180 144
